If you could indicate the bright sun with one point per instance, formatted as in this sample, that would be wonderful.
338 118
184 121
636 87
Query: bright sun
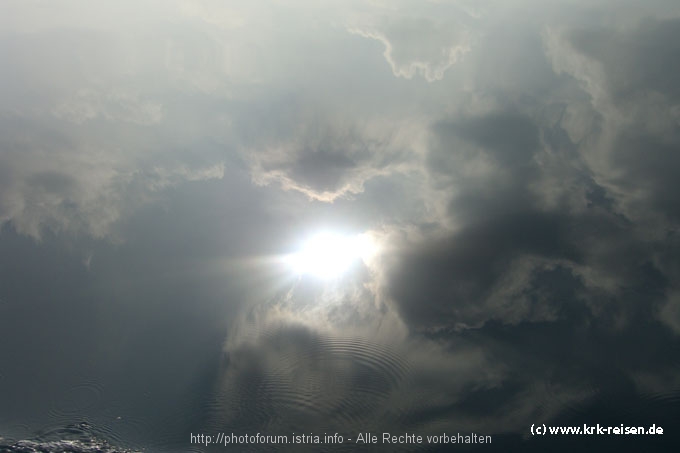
329 255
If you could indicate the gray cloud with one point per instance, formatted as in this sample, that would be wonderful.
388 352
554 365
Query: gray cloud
517 170
326 161
426 43
533 201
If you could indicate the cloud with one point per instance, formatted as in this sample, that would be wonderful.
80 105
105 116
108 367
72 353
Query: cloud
298 362
633 106
522 150
89 131
303 362
536 198
425 44
628 74
511 268
89 104
327 157
431 63
63 185
670 312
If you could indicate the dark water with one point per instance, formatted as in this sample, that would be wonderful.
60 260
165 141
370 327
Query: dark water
120 360
288 379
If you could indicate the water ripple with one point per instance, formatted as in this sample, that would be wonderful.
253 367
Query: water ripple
307 380
77 400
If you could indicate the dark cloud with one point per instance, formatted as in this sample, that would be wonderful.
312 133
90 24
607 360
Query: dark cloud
492 165
650 164
510 139
321 168
643 59
489 161
451 281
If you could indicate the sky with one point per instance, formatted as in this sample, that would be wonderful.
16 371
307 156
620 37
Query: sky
512 164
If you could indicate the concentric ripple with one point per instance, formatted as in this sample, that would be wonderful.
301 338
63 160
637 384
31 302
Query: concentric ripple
298 379
77 400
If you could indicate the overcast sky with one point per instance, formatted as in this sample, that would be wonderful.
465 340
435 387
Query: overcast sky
515 162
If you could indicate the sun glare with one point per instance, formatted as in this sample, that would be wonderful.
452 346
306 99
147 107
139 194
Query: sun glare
329 255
